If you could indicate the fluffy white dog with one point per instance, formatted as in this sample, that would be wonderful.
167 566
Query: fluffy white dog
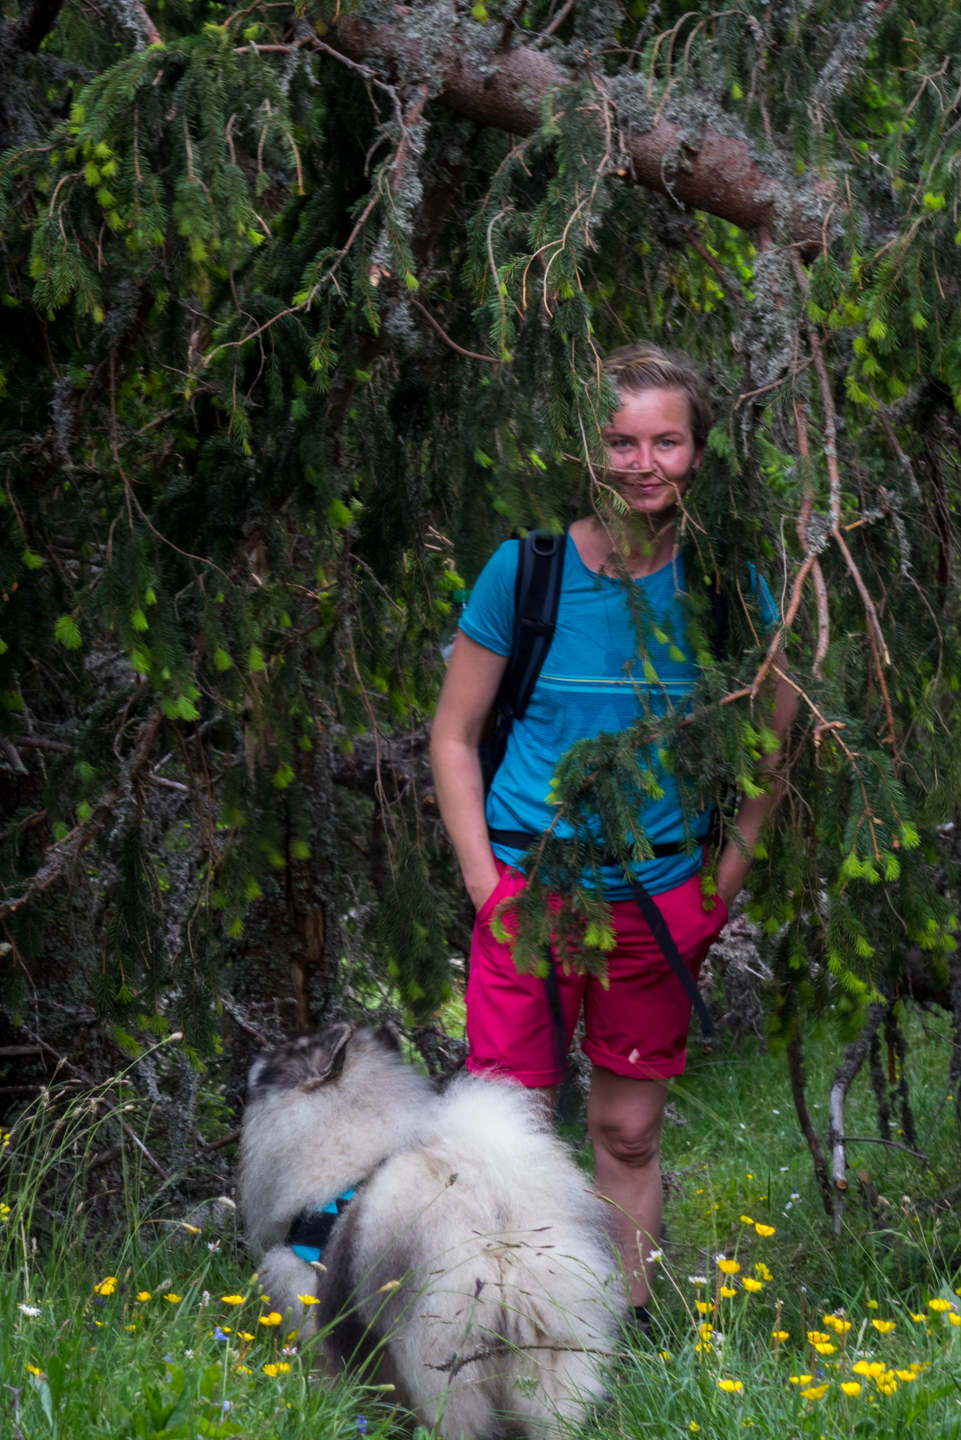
472 1267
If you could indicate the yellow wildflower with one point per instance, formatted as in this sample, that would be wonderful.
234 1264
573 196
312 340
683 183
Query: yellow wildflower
308 1299
765 1230
244 1335
905 1374
143 1294
702 1348
34 1369
130 1327
871 1368
835 1323
108 1286
761 1270
730 1387
939 1305
665 1355
954 1318
243 1369
918 1319
729 1267
174 1299
694 1427
270 1369
883 1327
825 1349
747 1220
852 1388
703 1306
727 1292
274 1318
232 1299
704 1331
818 1337
814 1392
800 1379
751 1286
780 1336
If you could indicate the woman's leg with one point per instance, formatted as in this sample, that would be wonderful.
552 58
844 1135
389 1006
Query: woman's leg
624 1118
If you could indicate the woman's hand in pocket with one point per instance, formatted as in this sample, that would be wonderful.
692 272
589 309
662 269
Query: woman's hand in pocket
483 893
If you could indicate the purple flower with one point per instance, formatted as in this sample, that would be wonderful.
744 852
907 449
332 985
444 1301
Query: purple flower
218 1333
361 1424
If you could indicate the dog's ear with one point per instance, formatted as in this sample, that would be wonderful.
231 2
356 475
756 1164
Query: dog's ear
325 1056
257 1069
388 1036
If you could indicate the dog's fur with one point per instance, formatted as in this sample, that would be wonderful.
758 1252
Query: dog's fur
466 1199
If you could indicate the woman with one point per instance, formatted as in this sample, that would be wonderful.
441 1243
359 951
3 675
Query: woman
636 1029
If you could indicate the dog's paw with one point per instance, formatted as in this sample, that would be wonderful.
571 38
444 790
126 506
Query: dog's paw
291 1287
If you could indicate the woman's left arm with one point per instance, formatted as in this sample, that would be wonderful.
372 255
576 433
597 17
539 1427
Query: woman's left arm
733 869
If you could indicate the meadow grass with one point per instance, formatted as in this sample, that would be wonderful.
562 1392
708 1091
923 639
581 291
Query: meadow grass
155 1332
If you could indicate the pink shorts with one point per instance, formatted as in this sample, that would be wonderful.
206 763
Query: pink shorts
637 1027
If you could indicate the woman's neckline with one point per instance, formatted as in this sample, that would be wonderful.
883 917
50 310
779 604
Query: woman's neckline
614 579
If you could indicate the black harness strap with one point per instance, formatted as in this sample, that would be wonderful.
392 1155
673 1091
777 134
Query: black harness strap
520 839
665 940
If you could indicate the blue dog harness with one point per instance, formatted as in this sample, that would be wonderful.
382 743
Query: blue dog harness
310 1231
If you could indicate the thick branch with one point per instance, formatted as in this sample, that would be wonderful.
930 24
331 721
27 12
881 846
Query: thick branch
507 89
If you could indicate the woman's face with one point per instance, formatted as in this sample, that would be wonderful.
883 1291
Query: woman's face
651 451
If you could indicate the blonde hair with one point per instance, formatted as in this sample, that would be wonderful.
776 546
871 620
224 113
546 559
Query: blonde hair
638 367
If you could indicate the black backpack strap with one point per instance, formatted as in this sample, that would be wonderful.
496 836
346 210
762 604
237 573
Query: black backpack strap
537 593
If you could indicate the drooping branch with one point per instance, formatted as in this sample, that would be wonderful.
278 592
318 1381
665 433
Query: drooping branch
65 852
718 173
843 1080
798 1078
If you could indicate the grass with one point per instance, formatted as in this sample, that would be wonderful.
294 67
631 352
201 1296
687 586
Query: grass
79 1363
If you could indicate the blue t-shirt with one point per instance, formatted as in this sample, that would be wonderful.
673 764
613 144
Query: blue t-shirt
592 681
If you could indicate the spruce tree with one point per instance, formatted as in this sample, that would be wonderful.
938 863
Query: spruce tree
302 316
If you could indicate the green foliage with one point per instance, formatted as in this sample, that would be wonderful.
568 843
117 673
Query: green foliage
239 461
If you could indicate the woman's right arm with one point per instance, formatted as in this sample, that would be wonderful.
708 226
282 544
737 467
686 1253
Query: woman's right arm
470 687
